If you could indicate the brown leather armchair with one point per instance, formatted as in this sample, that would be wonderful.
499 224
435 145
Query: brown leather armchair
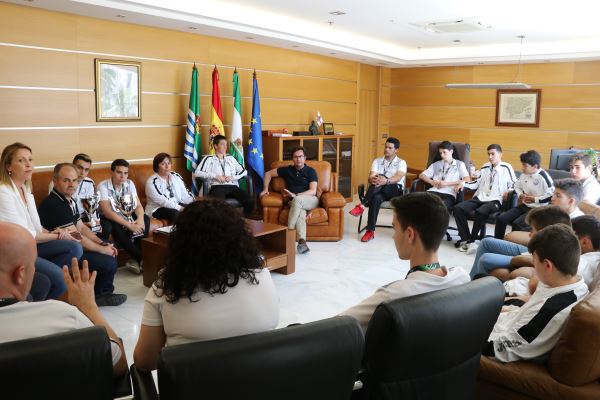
572 370
323 224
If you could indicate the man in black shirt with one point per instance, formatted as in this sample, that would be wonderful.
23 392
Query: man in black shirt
60 210
301 183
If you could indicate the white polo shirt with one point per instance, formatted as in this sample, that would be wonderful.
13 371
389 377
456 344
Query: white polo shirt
591 189
390 168
441 171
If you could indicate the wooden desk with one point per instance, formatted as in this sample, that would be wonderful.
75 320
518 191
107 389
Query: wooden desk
275 242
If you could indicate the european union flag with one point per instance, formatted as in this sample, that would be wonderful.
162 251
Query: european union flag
255 147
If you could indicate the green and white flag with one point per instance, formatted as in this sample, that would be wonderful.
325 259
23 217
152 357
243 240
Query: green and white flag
236 148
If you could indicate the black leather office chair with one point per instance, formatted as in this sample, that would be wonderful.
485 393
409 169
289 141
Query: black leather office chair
317 360
71 365
428 346
462 152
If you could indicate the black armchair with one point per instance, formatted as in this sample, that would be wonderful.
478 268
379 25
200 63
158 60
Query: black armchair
317 360
71 365
428 346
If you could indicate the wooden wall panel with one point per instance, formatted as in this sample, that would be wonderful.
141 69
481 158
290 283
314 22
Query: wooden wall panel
48 146
431 76
422 110
293 85
37 108
31 67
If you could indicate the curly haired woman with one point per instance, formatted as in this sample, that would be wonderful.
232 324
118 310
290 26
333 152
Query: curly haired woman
213 284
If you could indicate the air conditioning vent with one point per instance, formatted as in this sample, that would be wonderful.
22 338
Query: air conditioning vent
464 25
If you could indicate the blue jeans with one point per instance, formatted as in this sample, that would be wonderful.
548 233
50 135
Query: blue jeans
105 267
494 253
51 257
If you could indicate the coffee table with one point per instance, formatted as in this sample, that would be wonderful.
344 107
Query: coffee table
276 243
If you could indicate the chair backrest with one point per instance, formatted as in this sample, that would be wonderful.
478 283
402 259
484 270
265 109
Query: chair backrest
71 365
428 346
324 175
462 152
575 360
318 360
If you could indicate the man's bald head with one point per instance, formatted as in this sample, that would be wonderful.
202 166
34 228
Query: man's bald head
17 260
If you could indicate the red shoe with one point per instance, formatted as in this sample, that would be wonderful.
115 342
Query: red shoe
357 210
369 235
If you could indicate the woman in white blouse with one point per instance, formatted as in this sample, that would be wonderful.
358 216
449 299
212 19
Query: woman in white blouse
166 194
213 284
17 205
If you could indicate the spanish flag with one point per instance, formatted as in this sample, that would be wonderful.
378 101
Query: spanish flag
216 117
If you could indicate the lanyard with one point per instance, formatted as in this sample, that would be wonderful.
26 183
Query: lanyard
493 174
118 194
222 164
445 172
424 268
385 169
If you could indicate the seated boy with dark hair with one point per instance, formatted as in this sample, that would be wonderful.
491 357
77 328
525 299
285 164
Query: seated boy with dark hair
420 223
532 330
587 229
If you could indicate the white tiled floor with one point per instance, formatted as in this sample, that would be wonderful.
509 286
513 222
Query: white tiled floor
330 278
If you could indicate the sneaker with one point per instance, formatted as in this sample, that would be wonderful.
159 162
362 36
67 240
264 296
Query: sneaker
471 248
357 210
133 266
302 248
111 300
464 247
369 235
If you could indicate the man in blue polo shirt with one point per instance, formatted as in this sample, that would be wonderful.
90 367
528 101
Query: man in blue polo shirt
301 183
60 210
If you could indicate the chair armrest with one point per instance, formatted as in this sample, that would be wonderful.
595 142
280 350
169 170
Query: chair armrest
332 200
272 200
143 384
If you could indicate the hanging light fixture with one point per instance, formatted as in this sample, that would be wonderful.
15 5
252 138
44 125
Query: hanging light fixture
496 85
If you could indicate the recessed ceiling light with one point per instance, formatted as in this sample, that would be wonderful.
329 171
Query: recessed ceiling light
193 28
480 63
249 38
423 65
121 16
295 45
337 13
29 1
456 40
392 21
363 59
332 54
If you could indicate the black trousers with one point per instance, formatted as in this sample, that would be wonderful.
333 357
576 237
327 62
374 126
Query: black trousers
233 192
166 213
448 199
516 216
482 209
375 196
122 236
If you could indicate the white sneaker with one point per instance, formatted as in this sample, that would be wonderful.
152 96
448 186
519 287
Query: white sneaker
133 266
463 247
471 248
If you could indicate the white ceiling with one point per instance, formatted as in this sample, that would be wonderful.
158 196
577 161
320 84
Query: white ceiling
378 32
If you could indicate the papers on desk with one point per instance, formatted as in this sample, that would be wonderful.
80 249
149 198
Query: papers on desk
165 230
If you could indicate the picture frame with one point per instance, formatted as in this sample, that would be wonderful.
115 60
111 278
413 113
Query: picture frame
328 128
118 90
518 107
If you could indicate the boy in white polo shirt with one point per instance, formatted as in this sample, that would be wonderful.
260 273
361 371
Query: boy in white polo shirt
447 177
581 169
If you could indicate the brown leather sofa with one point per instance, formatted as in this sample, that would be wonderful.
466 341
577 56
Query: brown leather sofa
571 372
323 224
138 173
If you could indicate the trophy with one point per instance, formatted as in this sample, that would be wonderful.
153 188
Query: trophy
91 210
127 206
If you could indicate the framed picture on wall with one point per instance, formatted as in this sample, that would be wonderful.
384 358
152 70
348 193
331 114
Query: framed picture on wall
328 128
518 107
118 90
